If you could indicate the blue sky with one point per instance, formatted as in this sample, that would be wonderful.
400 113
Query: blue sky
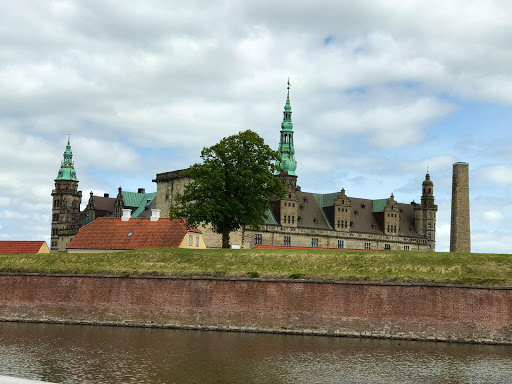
380 91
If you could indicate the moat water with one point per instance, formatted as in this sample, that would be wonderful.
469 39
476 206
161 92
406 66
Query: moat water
86 354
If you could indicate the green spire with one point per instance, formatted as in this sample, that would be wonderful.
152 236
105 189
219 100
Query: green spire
67 168
286 149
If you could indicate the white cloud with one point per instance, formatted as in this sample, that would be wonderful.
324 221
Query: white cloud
493 216
500 174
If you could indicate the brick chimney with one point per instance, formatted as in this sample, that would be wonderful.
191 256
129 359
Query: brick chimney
141 190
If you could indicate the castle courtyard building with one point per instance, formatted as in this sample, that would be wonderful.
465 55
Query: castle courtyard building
332 220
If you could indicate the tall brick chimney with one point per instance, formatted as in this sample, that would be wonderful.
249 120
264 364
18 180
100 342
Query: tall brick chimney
460 236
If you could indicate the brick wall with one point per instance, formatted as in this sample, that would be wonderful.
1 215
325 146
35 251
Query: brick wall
389 311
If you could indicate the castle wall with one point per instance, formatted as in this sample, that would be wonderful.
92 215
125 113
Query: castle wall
418 312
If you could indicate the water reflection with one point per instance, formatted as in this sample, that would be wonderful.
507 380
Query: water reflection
70 354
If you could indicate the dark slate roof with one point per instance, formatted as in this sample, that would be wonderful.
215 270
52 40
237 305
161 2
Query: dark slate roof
146 212
310 212
104 204
366 214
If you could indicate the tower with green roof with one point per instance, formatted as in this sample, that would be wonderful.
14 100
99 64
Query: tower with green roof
286 149
66 203
286 209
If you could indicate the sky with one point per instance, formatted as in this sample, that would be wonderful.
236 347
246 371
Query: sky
380 90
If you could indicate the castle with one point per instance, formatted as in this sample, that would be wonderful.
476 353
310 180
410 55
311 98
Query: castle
332 220
301 219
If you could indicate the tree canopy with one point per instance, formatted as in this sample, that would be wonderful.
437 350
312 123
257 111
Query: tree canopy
232 187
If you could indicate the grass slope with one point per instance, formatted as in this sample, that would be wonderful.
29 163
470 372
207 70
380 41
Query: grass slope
389 266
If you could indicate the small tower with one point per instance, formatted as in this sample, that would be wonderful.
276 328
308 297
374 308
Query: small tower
66 203
460 236
391 217
425 213
342 209
90 210
119 203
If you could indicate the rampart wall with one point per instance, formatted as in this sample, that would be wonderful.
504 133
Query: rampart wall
417 312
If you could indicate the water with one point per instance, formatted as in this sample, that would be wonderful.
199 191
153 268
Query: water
85 354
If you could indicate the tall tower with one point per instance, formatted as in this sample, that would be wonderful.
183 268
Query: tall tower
66 203
425 213
460 236
286 149
287 209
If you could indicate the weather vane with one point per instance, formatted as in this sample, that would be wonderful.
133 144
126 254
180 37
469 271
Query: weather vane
288 83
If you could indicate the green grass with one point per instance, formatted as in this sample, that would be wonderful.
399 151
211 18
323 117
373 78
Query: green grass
389 266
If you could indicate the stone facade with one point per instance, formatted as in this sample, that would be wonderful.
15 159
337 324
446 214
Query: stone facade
460 235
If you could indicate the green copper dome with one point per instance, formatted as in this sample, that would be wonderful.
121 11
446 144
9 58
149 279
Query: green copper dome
67 168
286 149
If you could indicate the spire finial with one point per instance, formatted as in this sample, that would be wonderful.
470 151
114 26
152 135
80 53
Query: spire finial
428 169
69 135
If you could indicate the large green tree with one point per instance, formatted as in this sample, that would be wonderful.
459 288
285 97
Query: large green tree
232 187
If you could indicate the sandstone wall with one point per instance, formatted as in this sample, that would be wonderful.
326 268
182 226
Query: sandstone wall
417 312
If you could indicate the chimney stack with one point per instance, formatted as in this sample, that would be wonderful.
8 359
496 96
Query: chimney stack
460 236
142 190
127 214
105 195
155 215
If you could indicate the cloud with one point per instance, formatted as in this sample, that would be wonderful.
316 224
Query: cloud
500 174
493 216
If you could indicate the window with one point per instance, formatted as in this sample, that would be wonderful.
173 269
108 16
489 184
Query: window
285 204
429 225
289 221
293 219
284 219
293 205
338 223
258 238
388 227
394 228
314 242
340 243
387 247
338 209
430 215
287 242
430 236
197 241
190 240
367 245
363 206
299 219
406 247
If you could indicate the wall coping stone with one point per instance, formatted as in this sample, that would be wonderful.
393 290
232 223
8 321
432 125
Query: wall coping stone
256 280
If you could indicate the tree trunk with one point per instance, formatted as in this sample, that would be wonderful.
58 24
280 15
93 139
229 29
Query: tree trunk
225 238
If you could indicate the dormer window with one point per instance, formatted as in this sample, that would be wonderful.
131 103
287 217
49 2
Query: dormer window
315 220
305 199
130 234
301 207
363 206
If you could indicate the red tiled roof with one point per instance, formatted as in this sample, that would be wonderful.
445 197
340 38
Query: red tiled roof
20 247
112 233
259 246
